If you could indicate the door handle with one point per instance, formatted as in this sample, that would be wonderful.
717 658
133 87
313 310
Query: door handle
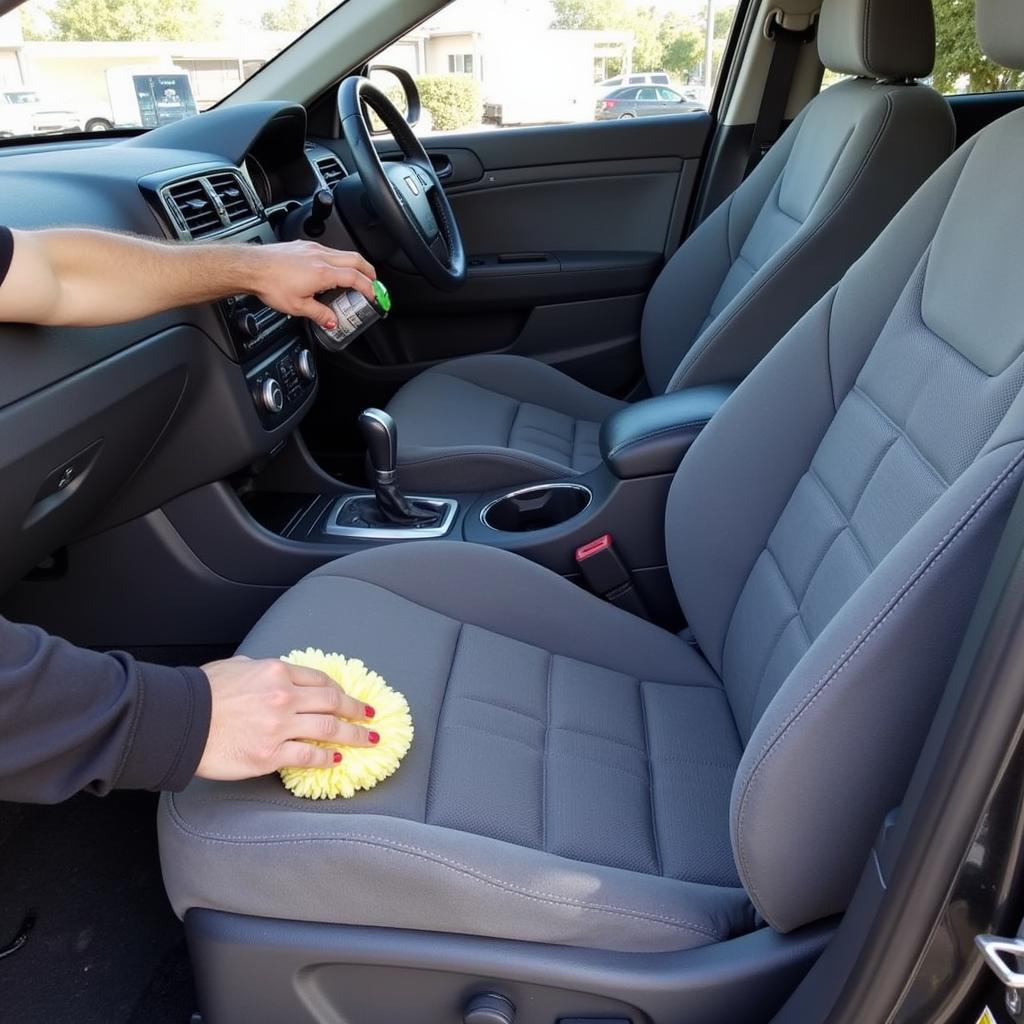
442 165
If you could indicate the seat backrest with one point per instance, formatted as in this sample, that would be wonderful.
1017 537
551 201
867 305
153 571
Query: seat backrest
835 178
829 533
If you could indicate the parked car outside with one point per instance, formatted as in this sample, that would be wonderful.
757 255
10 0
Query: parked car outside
642 102
641 78
22 112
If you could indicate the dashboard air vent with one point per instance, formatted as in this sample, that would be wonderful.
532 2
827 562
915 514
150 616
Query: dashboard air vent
234 198
331 170
193 207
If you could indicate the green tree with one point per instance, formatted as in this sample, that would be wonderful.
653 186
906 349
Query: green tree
130 20
661 40
291 16
588 14
684 52
958 54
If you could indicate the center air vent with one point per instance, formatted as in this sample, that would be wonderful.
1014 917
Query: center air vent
194 208
231 192
331 170
210 204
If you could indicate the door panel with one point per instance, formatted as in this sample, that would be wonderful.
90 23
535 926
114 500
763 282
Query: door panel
614 204
566 227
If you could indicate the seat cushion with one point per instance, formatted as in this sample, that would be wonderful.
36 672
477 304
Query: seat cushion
495 420
569 780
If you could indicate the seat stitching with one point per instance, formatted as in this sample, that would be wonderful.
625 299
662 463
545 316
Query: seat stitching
755 698
819 480
457 727
600 736
771 745
499 704
603 764
718 328
650 779
391 845
914 450
437 722
780 633
544 763
716 687
698 762
871 476
572 443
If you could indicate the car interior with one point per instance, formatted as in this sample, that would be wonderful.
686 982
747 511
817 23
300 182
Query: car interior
668 492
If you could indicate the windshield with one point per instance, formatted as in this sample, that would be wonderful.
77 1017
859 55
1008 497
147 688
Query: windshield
99 65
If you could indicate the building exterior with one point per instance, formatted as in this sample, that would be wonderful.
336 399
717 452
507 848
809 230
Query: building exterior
529 72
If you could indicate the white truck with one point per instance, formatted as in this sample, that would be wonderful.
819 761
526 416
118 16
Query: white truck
143 97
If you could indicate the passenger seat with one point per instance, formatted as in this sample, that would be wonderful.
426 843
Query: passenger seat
835 178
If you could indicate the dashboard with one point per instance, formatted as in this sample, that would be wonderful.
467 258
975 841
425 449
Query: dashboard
100 425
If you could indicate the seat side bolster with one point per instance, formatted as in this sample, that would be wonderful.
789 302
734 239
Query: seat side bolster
681 297
807 799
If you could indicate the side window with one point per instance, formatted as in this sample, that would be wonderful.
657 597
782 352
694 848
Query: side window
960 66
647 94
489 64
668 96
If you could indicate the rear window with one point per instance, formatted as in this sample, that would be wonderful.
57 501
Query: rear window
637 79
659 79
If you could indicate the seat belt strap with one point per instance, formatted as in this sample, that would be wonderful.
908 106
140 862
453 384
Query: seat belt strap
768 126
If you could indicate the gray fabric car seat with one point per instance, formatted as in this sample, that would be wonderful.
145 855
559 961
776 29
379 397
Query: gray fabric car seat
833 180
580 776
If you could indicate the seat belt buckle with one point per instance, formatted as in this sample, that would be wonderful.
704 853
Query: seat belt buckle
608 576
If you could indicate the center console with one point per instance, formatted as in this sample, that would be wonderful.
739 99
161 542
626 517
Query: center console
276 358
293 517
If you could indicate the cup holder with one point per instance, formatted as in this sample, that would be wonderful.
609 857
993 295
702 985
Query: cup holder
536 508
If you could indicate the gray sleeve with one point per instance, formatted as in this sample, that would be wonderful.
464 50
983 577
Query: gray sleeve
72 719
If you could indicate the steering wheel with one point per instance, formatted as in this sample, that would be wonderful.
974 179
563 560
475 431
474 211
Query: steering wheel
406 193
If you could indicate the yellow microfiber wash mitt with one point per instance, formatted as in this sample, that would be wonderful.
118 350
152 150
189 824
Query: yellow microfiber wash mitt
362 767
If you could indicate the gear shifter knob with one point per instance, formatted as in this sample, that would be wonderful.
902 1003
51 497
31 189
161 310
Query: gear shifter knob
381 436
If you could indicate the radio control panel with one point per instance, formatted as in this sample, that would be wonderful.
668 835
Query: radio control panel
276 357
282 382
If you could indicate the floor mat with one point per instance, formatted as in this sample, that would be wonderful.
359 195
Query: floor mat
105 947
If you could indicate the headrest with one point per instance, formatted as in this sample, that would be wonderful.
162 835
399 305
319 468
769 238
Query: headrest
880 38
1001 31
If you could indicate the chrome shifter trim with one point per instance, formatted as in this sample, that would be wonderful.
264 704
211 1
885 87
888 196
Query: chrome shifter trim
447 506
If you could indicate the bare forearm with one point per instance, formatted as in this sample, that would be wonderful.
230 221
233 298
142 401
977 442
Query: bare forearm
106 278
78 277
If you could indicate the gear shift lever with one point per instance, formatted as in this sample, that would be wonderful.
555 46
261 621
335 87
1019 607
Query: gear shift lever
381 436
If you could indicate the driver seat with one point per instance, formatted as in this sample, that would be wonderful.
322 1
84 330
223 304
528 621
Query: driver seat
834 179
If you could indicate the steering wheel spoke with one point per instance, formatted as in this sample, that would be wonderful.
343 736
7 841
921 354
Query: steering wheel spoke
406 193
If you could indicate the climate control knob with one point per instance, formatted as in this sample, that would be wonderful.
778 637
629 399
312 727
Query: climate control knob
271 396
306 365
247 325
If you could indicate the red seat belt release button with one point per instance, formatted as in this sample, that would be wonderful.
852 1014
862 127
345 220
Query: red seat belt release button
607 575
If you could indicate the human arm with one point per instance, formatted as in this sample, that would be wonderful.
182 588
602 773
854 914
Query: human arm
82 277
72 719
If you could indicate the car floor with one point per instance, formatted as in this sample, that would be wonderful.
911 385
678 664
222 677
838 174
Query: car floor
106 947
